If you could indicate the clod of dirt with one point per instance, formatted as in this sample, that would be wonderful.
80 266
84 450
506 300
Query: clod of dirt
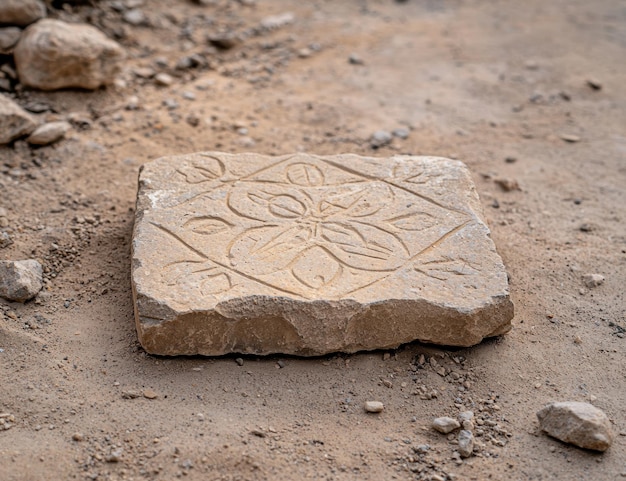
593 280
507 185
577 423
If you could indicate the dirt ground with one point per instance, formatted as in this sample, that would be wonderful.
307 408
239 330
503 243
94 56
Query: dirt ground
498 84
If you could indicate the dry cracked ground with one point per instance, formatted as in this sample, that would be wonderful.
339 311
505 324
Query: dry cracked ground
529 94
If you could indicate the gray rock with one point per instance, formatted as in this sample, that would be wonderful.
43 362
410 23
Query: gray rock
380 138
14 121
5 239
134 17
466 443
52 55
577 423
49 133
20 280
8 39
21 12
445 425
401 133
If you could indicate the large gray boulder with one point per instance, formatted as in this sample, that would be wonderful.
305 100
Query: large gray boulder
53 55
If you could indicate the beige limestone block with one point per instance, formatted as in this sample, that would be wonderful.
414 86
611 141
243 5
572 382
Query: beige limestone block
306 255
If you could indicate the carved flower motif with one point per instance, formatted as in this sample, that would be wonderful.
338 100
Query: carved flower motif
314 229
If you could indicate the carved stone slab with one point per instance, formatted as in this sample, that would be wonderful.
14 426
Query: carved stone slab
307 255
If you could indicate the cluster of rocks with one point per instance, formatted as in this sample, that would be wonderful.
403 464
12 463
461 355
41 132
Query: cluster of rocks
48 54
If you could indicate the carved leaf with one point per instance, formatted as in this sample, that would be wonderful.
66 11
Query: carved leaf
415 221
207 278
305 174
315 268
447 267
205 171
286 206
363 246
273 240
207 225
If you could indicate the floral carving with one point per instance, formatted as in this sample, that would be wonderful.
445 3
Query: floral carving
305 227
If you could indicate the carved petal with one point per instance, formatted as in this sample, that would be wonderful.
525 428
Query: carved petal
315 268
206 225
305 174
415 221
210 168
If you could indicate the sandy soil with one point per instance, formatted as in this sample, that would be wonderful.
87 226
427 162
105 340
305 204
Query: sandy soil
481 81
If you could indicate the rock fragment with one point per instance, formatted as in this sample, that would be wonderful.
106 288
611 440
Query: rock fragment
593 280
21 12
20 280
373 406
14 121
466 443
52 55
9 37
49 133
578 423
445 424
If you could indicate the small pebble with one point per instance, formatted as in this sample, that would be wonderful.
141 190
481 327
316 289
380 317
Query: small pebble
150 394
374 406
594 84
445 424
239 361
163 79
570 138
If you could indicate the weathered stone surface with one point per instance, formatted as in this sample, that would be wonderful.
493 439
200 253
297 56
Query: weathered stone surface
14 120
307 255
52 54
577 423
21 12
8 38
20 280
49 133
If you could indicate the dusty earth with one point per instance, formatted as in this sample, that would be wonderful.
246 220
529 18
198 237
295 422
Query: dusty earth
497 84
